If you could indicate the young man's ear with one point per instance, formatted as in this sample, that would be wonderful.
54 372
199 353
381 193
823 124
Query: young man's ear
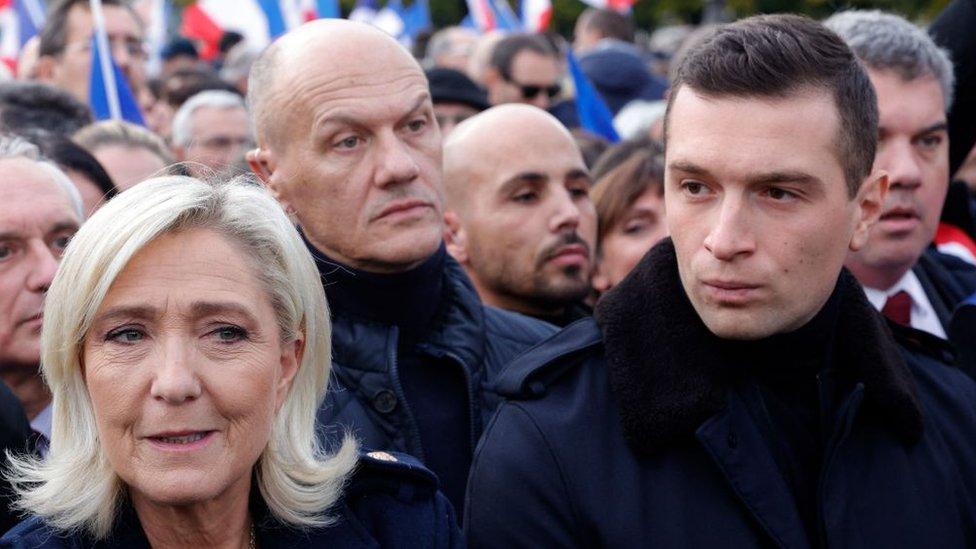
455 237
870 201
45 68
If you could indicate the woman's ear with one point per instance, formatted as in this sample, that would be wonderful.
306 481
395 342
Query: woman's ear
291 360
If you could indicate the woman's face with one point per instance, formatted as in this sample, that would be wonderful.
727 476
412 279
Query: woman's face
186 370
626 243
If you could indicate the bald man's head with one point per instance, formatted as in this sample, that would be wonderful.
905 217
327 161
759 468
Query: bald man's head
501 136
519 215
348 142
341 48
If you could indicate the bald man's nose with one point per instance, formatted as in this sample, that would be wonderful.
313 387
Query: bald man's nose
396 162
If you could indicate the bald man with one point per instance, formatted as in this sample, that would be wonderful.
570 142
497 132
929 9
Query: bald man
348 143
519 216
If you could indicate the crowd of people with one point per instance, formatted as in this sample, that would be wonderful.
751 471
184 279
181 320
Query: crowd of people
338 293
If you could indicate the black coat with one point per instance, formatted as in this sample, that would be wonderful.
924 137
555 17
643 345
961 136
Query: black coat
627 431
367 395
15 435
386 504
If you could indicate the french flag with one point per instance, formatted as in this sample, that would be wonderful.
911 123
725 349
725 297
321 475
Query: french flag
20 20
622 6
109 95
594 115
399 21
536 15
489 15
259 21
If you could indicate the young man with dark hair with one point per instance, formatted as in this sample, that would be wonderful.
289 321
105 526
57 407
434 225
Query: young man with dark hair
738 389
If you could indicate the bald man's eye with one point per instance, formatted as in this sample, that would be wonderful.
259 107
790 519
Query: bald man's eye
348 143
526 197
417 125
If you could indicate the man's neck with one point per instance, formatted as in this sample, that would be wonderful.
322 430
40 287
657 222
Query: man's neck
878 279
29 387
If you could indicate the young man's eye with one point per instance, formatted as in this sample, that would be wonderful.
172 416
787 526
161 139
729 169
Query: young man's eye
694 188
779 194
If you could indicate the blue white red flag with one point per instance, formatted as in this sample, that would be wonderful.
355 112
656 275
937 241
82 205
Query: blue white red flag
594 115
536 15
109 95
20 20
490 15
259 21
622 6
403 23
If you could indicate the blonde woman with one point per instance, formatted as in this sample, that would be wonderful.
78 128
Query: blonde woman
186 343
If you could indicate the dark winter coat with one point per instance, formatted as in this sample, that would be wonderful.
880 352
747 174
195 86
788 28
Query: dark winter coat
386 504
476 339
627 431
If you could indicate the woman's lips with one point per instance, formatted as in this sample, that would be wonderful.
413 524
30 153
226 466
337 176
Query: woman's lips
183 441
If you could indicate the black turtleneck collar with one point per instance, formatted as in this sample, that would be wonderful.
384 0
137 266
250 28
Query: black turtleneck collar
408 300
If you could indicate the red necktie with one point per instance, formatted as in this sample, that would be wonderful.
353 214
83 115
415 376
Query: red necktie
898 308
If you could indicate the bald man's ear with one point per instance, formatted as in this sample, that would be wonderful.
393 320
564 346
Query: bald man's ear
258 160
263 165
455 237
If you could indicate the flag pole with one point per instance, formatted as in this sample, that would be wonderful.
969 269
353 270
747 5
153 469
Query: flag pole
105 60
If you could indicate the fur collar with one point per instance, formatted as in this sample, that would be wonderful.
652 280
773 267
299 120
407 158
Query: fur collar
669 376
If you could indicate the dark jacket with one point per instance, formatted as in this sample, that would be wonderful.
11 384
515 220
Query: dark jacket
629 430
367 395
948 281
386 504
15 437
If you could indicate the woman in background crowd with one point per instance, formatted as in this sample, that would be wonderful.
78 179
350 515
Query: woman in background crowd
629 200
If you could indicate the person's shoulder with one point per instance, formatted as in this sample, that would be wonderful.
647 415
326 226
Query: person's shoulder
396 499
382 472
949 264
558 359
33 532
516 327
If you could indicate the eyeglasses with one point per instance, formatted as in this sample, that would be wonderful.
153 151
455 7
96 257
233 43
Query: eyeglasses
530 92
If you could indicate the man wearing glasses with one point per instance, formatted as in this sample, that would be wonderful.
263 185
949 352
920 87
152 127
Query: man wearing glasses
65 54
524 68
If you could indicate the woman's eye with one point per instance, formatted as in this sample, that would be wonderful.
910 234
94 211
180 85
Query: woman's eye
125 335
230 334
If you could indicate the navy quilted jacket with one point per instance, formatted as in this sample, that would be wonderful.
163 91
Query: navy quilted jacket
366 393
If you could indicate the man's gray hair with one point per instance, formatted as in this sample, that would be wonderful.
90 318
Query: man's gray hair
215 99
884 41
15 147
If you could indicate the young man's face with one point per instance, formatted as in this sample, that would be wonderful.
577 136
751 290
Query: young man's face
758 208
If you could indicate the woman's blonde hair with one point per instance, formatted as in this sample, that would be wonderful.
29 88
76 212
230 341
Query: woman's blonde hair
74 487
